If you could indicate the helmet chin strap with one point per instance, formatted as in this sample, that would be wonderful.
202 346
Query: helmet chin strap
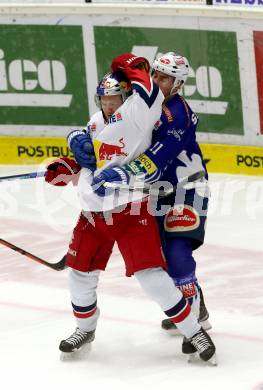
174 91
176 88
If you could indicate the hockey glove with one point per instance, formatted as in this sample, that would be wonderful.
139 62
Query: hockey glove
81 145
128 61
113 174
61 171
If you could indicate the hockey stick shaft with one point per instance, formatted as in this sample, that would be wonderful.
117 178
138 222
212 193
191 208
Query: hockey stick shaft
22 176
181 183
56 266
149 190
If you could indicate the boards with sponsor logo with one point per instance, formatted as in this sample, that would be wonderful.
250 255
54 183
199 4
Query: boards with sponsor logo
32 150
218 157
45 91
213 55
41 83
246 160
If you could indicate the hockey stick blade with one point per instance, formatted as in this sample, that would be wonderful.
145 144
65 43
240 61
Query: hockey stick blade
149 190
59 266
22 176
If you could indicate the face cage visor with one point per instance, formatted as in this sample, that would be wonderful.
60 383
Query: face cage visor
110 92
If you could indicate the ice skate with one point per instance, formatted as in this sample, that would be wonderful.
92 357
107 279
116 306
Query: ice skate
201 344
168 325
77 345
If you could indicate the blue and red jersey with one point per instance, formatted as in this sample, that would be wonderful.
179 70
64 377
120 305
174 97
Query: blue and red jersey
174 152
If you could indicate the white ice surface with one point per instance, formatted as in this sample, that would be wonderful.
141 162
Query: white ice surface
130 350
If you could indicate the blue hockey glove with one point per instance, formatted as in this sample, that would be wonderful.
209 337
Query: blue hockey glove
113 174
81 145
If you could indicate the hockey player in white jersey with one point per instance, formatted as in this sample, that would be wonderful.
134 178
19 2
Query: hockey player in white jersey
129 128
127 134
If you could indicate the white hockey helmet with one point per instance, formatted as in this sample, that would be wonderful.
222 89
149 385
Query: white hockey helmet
175 65
112 84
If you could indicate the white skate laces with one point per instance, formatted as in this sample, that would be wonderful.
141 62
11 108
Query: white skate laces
78 337
200 342
76 340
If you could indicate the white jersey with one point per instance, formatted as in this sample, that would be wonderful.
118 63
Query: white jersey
127 135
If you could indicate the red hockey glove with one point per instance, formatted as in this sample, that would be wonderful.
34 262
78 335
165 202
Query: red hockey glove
136 69
128 61
61 171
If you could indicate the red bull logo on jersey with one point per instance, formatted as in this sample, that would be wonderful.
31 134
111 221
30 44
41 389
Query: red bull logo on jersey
181 218
107 151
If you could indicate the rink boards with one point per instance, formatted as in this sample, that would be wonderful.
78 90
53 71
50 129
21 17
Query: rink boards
219 158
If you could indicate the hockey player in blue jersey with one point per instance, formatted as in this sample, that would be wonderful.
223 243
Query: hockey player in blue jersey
175 154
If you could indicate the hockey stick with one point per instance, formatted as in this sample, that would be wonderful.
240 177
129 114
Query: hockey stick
150 190
59 266
22 176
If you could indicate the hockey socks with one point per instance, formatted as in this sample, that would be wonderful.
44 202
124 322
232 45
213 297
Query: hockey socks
160 287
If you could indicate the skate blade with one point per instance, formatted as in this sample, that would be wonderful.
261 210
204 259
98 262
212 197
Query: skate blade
191 357
211 362
79 354
206 325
